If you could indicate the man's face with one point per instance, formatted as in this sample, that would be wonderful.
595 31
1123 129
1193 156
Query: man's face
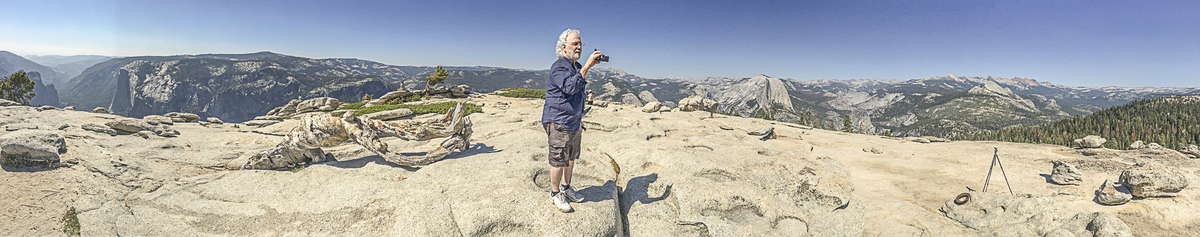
574 47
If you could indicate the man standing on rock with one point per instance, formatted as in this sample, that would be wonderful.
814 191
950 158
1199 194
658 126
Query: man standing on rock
563 113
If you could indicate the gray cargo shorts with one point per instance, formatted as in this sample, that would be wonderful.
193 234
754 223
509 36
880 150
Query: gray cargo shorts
564 144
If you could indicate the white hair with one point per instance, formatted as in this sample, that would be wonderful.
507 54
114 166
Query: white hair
562 39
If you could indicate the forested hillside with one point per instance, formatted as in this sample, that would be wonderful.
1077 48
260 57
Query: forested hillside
1172 122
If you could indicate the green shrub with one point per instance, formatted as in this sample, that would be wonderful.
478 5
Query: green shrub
420 109
523 93
71 222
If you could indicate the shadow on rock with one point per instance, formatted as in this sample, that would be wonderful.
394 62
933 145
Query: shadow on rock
1047 176
598 193
637 190
360 162
478 148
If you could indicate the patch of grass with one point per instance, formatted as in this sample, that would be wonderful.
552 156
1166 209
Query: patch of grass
420 109
353 105
522 93
298 169
71 222
405 99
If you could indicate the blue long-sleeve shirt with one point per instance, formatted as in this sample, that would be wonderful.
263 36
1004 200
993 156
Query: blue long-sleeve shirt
564 94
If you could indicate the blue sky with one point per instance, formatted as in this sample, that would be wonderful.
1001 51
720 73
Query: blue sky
1076 43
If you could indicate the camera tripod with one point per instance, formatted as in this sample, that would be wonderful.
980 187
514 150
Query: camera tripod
996 161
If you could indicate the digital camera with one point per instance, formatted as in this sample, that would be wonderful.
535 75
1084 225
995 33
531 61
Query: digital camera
601 58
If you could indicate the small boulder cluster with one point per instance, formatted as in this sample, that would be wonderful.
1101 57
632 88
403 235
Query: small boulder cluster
691 103
1145 180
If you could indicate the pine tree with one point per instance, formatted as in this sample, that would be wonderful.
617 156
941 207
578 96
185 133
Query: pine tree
439 75
17 88
847 125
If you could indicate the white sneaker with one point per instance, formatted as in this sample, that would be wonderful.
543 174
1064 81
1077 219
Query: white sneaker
560 201
570 194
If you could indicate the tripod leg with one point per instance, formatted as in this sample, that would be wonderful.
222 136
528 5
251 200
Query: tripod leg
1010 192
989 176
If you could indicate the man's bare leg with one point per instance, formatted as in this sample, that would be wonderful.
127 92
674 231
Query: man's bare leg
555 176
567 171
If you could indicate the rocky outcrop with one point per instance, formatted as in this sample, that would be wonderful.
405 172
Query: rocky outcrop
32 146
1065 174
1191 150
100 110
99 128
4 102
1154 181
697 103
179 117
1110 194
128 125
1028 215
1091 141
295 107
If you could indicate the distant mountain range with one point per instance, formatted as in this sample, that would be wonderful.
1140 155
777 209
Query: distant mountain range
237 87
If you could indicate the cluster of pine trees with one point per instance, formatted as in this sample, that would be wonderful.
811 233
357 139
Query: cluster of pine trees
1172 122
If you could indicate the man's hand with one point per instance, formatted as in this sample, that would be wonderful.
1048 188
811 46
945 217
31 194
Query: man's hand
592 59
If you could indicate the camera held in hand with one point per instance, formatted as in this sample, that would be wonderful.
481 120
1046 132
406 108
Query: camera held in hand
602 57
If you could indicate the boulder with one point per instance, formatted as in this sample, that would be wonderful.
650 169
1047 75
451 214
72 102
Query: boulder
260 123
1110 194
129 125
268 117
1065 174
697 103
1154 181
460 91
215 120
100 110
4 102
145 134
185 117
156 120
163 130
32 146
69 108
99 128
1096 224
921 140
46 107
1137 145
389 114
1154 146
1192 150
652 107
1091 141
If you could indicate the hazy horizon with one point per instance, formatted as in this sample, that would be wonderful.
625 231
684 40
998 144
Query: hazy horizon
1075 43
